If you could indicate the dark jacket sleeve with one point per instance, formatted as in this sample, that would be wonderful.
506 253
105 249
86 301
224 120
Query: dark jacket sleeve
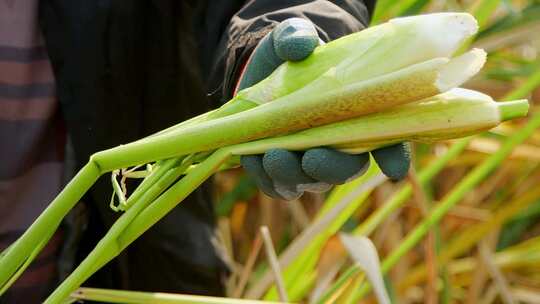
255 19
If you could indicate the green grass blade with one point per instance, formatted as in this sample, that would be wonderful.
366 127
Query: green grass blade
482 10
404 6
299 261
401 197
472 235
382 9
396 201
528 86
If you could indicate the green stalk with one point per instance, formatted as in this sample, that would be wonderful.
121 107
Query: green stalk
21 269
137 297
63 203
461 189
323 135
140 218
393 79
108 247
47 222
22 251
172 197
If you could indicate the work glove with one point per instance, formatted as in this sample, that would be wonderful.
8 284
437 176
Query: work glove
287 174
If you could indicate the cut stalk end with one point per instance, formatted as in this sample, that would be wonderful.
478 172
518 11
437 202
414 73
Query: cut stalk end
513 109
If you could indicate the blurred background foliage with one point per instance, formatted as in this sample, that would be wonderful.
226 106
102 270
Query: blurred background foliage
463 228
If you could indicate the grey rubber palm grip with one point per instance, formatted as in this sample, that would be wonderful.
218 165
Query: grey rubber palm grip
332 166
394 160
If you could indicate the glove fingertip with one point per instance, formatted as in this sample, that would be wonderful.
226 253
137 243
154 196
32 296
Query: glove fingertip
284 167
295 48
254 168
295 39
332 166
262 62
394 161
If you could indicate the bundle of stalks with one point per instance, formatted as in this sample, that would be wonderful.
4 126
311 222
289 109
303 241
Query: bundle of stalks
390 83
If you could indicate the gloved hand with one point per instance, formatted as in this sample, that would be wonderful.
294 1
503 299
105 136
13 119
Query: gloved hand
286 174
